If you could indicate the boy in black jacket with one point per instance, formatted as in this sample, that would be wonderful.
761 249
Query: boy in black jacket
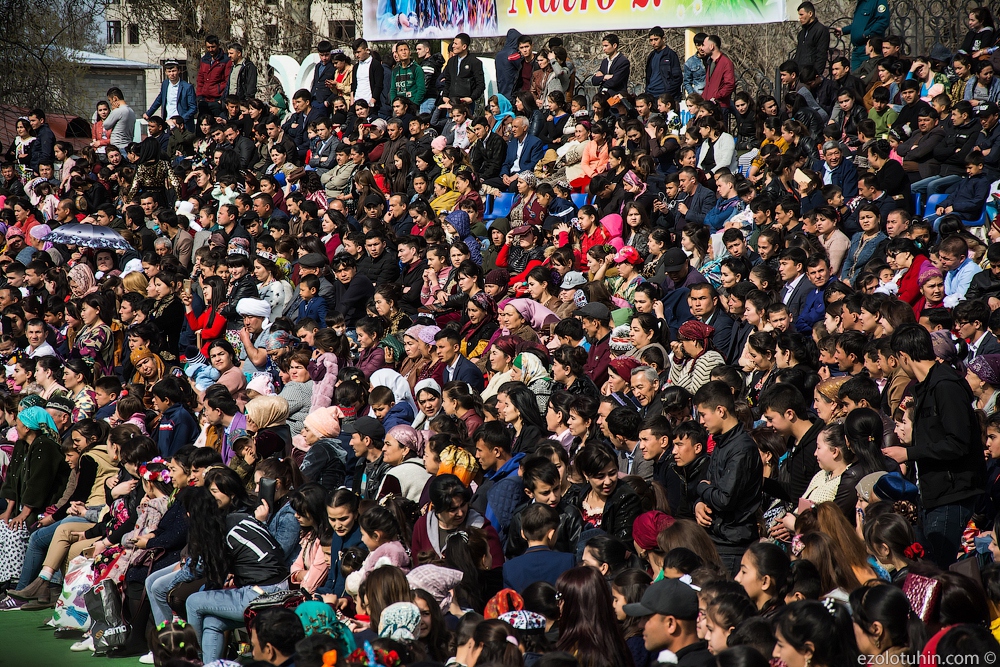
690 464
731 494
541 485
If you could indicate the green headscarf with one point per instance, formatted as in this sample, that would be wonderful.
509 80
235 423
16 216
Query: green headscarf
319 617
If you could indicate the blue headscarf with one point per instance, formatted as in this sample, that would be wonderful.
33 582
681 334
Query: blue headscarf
463 226
36 418
506 111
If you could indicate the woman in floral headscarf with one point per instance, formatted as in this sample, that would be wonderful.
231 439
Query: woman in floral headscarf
476 333
526 210
984 378
528 369
32 484
82 281
693 356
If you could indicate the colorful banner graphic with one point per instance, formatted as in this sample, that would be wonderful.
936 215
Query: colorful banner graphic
386 20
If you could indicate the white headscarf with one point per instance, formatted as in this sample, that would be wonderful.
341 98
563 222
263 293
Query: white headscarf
386 377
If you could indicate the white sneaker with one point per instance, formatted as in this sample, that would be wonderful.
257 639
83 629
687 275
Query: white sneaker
146 659
85 644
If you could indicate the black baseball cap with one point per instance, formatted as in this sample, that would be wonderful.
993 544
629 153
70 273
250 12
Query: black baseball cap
674 259
668 597
594 311
366 426
988 109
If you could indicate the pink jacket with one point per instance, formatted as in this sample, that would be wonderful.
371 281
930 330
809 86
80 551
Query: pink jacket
314 562
323 370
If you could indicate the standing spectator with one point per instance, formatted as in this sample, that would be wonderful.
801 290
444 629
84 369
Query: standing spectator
506 61
720 75
663 67
43 147
407 76
463 79
367 76
121 121
951 472
431 63
813 40
612 75
871 19
213 78
243 76
324 76
176 98
694 67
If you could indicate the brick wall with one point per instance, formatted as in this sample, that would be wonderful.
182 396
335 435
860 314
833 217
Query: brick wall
93 87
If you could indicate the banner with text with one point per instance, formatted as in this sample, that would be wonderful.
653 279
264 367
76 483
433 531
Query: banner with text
386 20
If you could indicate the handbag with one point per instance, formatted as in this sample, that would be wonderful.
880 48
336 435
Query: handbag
104 604
923 593
287 599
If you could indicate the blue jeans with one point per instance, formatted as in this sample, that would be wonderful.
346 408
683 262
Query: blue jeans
942 530
158 587
38 545
212 613
427 106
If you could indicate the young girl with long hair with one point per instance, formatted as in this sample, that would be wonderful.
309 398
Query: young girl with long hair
588 629
627 588
310 569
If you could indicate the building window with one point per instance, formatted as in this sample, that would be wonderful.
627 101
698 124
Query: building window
342 32
170 32
114 32
271 32
133 33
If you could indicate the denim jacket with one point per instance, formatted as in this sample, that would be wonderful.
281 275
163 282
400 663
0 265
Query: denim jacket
694 75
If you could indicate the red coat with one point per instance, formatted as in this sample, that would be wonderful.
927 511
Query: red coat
720 84
208 333
908 289
213 77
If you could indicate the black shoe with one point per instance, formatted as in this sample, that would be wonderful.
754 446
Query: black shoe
126 652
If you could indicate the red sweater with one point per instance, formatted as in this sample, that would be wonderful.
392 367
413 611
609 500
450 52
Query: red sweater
908 289
208 333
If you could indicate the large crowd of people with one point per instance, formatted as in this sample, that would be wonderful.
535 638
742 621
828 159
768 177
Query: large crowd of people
399 374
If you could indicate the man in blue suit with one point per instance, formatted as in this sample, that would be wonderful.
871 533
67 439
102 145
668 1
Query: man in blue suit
176 97
456 366
539 524
523 153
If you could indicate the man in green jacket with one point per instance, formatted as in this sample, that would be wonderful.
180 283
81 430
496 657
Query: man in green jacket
407 76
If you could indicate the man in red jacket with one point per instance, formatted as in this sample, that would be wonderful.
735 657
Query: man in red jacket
720 75
213 76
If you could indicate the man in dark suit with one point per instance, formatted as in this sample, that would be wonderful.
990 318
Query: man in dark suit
352 290
792 267
297 125
523 152
456 366
539 524
612 74
488 151
971 321
703 301
325 71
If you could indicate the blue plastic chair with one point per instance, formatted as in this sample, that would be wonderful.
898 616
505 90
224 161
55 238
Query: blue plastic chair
977 223
579 199
487 206
933 201
501 206
918 201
